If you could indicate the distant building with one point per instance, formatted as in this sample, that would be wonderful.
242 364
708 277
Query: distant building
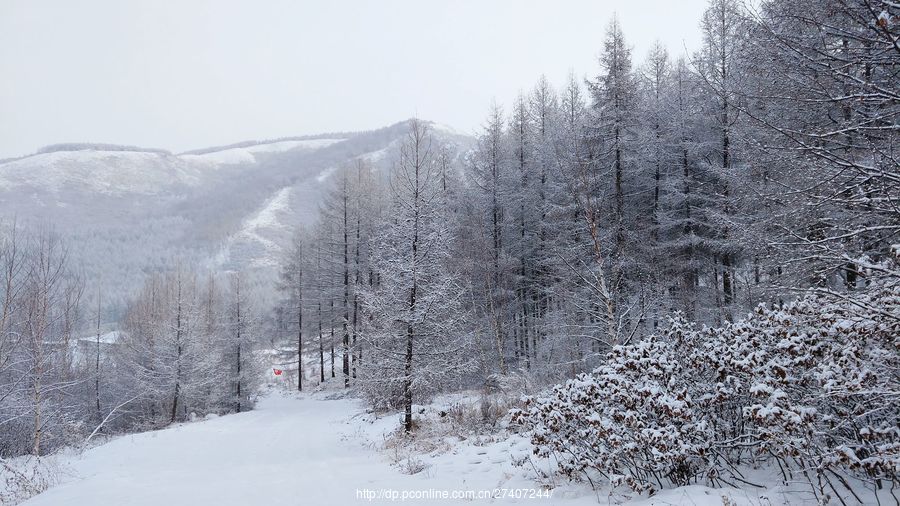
85 349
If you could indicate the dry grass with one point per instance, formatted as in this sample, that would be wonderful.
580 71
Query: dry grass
24 478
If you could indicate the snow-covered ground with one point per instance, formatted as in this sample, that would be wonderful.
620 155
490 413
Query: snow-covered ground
309 449
287 451
233 156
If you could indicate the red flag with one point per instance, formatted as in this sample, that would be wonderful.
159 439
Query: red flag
277 372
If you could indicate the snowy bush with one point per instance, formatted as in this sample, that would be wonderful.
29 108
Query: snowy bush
827 390
632 420
811 386
815 382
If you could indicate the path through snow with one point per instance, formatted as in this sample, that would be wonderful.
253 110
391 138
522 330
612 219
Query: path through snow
285 452
301 451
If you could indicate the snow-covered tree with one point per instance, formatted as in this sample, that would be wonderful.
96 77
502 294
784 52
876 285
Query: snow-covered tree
240 343
291 283
414 339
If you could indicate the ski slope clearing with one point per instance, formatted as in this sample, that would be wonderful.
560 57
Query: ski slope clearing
310 451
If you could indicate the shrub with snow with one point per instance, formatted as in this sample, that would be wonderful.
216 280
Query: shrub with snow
812 387
632 420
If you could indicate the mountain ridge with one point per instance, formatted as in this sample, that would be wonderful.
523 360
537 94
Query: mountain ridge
127 213
103 146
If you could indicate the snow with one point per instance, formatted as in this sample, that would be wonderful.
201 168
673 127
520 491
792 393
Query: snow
443 127
312 449
371 157
287 451
279 147
378 155
85 347
235 156
325 174
284 450
116 172
267 216
265 220
220 158
107 172
262 228
107 338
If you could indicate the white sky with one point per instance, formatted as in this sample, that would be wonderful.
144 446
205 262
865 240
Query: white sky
192 73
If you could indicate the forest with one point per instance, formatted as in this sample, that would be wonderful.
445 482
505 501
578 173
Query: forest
691 263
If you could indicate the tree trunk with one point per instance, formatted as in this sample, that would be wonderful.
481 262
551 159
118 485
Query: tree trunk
178 352
97 410
300 336
321 346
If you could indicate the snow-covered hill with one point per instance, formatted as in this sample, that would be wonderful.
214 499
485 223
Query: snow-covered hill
250 154
99 171
123 171
127 211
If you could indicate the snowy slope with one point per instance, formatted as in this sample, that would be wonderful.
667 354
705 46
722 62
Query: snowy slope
250 154
263 233
99 171
133 171
309 450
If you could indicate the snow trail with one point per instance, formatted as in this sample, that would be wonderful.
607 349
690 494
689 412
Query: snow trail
287 451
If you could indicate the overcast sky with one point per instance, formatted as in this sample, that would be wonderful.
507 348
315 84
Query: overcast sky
192 73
